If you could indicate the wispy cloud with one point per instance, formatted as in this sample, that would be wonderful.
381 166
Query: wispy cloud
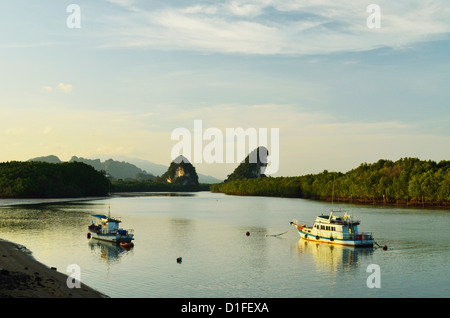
124 3
276 26
66 88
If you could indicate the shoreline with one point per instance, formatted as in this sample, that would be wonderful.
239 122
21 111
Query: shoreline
379 203
22 276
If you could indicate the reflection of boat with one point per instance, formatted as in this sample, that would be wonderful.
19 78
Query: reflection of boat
109 252
107 229
331 257
334 229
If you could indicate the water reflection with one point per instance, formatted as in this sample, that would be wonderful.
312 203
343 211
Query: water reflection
154 194
219 259
41 218
108 252
333 258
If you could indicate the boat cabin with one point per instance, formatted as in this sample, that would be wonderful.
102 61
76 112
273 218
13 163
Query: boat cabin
342 223
107 224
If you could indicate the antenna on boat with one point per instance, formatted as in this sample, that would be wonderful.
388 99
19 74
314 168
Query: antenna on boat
109 194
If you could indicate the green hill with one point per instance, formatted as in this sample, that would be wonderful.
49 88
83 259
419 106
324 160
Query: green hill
252 167
127 169
116 169
181 172
49 159
179 177
37 179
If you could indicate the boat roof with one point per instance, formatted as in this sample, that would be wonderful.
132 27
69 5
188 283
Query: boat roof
109 218
337 219
100 216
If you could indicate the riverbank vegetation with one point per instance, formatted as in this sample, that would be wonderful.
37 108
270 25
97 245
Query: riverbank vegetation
38 179
154 186
51 180
408 181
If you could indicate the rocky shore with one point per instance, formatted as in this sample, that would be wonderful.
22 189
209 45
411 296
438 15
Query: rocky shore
22 276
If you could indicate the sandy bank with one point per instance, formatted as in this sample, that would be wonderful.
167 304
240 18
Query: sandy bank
22 276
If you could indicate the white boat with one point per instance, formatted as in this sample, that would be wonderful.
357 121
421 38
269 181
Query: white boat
106 228
335 229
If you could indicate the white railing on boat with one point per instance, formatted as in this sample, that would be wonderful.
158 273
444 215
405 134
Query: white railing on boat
357 236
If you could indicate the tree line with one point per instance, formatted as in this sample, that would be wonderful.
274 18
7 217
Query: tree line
35 179
155 186
405 181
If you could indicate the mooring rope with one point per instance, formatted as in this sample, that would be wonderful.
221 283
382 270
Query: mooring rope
280 233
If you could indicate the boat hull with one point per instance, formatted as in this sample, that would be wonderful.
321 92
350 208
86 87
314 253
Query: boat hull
357 241
114 238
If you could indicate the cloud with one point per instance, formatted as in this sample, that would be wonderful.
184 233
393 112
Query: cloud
245 9
47 130
277 26
66 88
199 9
123 3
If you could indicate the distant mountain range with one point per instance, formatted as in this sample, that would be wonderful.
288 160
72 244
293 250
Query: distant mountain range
131 169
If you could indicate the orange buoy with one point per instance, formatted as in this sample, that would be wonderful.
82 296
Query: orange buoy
125 244
248 233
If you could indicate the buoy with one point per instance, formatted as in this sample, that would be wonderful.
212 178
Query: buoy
89 235
179 260
126 244
384 248
248 233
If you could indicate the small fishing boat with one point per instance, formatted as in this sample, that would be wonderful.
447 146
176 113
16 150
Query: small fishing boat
106 228
335 229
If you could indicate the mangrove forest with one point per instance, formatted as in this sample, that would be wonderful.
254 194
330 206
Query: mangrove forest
407 181
35 179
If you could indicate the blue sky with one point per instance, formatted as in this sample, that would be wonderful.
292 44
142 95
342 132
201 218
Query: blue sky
340 92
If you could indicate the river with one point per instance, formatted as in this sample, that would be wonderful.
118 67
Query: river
227 251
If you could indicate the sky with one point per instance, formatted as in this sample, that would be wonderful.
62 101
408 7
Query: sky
117 79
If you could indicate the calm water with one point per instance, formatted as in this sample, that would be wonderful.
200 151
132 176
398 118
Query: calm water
219 260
